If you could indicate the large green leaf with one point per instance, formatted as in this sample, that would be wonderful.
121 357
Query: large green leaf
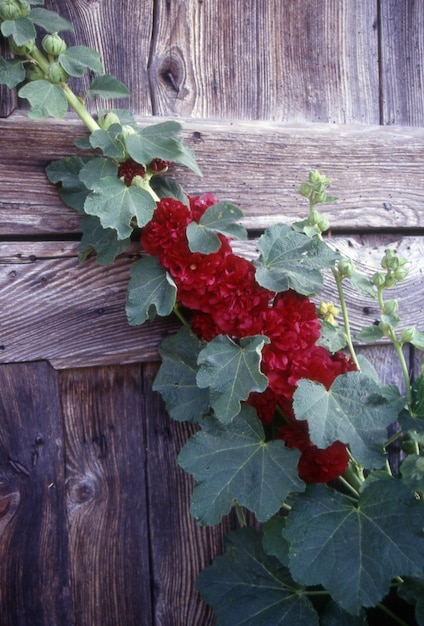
95 169
66 171
233 462
108 87
21 29
218 218
109 141
246 587
412 471
12 72
355 410
116 205
231 371
103 241
151 291
77 59
355 550
161 141
291 260
50 21
166 187
176 378
45 99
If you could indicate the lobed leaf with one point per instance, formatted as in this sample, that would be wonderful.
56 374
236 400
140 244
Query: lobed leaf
49 20
339 544
108 87
95 169
246 587
218 218
151 291
231 371
12 72
66 171
103 241
77 59
109 141
46 100
176 378
332 337
233 462
291 260
355 410
22 29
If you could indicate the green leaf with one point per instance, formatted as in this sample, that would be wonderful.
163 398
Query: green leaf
246 587
407 422
363 285
370 334
108 87
176 378
332 337
46 100
355 410
50 21
12 72
77 59
161 141
218 218
231 371
95 169
151 291
412 472
103 241
412 590
109 141
66 171
273 542
355 550
125 117
116 205
233 462
168 188
21 29
417 338
418 395
291 260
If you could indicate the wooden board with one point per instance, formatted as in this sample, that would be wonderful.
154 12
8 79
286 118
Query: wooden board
375 172
73 315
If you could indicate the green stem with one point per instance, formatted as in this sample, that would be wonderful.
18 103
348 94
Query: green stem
348 336
240 515
348 486
393 438
180 316
403 365
391 614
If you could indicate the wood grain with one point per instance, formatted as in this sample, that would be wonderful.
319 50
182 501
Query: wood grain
266 59
106 496
34 581
375 172
180 548
402 70
73 315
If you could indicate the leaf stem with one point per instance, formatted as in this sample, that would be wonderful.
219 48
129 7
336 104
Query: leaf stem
180 316
348 335
79 108
391 614
240 515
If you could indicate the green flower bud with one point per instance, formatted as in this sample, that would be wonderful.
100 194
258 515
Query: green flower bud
25 8
56 74
107 119
345 268
389 281
128 130
401 273
378 279
10 10
34 72
390 307
323 223
21 51
305 190
319 196
53 44
407 335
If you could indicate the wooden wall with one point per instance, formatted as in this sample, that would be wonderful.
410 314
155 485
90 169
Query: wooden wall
94 522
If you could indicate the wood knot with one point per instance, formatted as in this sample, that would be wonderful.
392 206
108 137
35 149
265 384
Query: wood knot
9 502
82 490
171 70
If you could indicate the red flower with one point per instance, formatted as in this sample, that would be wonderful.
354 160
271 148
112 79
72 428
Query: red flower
157 165
264 403
318 465
296 435
128 169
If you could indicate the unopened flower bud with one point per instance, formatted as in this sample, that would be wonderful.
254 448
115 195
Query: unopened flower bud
25 8
56 74
128 130
22 50
34 72
401 273
407 335
107 119
323 223
389 281
345 268
390 307
320 196
10 10
305 190
378 279
53 44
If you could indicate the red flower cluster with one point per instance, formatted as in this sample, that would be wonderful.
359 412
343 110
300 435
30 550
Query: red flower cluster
221 291
129 169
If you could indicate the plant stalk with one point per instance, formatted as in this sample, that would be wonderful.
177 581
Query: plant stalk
348 336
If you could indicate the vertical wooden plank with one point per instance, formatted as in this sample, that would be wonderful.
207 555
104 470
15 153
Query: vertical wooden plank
402 67
180 548
106 500
266 59
121 33
34 582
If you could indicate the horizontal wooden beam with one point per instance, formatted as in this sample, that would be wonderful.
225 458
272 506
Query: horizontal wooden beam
376 171
72 315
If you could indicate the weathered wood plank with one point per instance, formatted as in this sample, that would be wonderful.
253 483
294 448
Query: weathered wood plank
180 548
402 70
34 581
375 171
266 59
106 496
73 315
122 36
